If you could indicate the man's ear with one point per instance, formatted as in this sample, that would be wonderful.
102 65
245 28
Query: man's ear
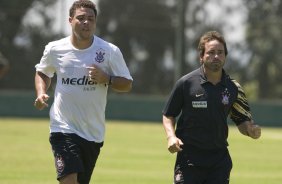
201 60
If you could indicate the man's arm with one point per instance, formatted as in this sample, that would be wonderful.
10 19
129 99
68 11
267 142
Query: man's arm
249 128
42 83
241 115
120 84
173 143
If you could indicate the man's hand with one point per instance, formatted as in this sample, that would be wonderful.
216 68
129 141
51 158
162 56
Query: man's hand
174 144
98 75
254 131
40 102
249 128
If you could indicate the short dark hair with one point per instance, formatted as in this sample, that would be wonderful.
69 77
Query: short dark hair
209 36
82 3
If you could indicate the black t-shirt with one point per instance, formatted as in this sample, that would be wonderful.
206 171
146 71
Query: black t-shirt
204 109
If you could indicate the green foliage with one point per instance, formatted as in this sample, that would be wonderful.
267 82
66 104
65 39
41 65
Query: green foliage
144 31
23 44
134 152
251 90
264 41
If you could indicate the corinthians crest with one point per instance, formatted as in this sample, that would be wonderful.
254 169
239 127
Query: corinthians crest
100 56
225 97
59 162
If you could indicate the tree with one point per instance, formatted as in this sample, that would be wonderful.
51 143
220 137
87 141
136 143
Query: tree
144 31
264 37
23 44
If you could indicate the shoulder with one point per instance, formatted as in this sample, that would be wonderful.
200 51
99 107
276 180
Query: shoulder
231 82
236 84
239 90
57 44
105 44
191 79
195 75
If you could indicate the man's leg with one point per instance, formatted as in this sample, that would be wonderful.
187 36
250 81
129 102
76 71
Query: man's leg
69 179
220 174
186 172
67 157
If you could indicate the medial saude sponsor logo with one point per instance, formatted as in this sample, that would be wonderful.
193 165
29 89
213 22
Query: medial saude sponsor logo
88 85
78 81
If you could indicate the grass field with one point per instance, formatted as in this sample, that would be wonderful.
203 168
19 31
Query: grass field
134 153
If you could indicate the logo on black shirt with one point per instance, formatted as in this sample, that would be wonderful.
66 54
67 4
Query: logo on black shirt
225 97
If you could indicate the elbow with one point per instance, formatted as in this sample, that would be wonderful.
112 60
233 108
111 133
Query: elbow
126 87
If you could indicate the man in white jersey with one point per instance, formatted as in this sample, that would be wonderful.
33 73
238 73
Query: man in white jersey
85 66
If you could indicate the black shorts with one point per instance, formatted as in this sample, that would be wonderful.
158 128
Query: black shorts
195 166
74 154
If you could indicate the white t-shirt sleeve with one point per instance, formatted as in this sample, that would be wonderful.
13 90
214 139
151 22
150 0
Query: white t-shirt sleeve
118 65
45 66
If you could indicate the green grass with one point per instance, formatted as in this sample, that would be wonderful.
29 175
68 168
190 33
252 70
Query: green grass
133 153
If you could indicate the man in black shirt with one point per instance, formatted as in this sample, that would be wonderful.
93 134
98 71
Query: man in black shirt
204 99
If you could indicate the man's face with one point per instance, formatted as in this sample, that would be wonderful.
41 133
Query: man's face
214 56
83 23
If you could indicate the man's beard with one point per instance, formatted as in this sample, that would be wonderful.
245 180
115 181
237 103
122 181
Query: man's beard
214 66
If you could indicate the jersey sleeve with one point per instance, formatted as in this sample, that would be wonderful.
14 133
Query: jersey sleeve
117 64
240 110
45 66
175 101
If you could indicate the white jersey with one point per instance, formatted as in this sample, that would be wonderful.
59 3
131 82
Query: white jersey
79 104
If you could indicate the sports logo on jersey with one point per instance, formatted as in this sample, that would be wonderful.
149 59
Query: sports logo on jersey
78 81
60 165
178 175
100 56
225 97
199 104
